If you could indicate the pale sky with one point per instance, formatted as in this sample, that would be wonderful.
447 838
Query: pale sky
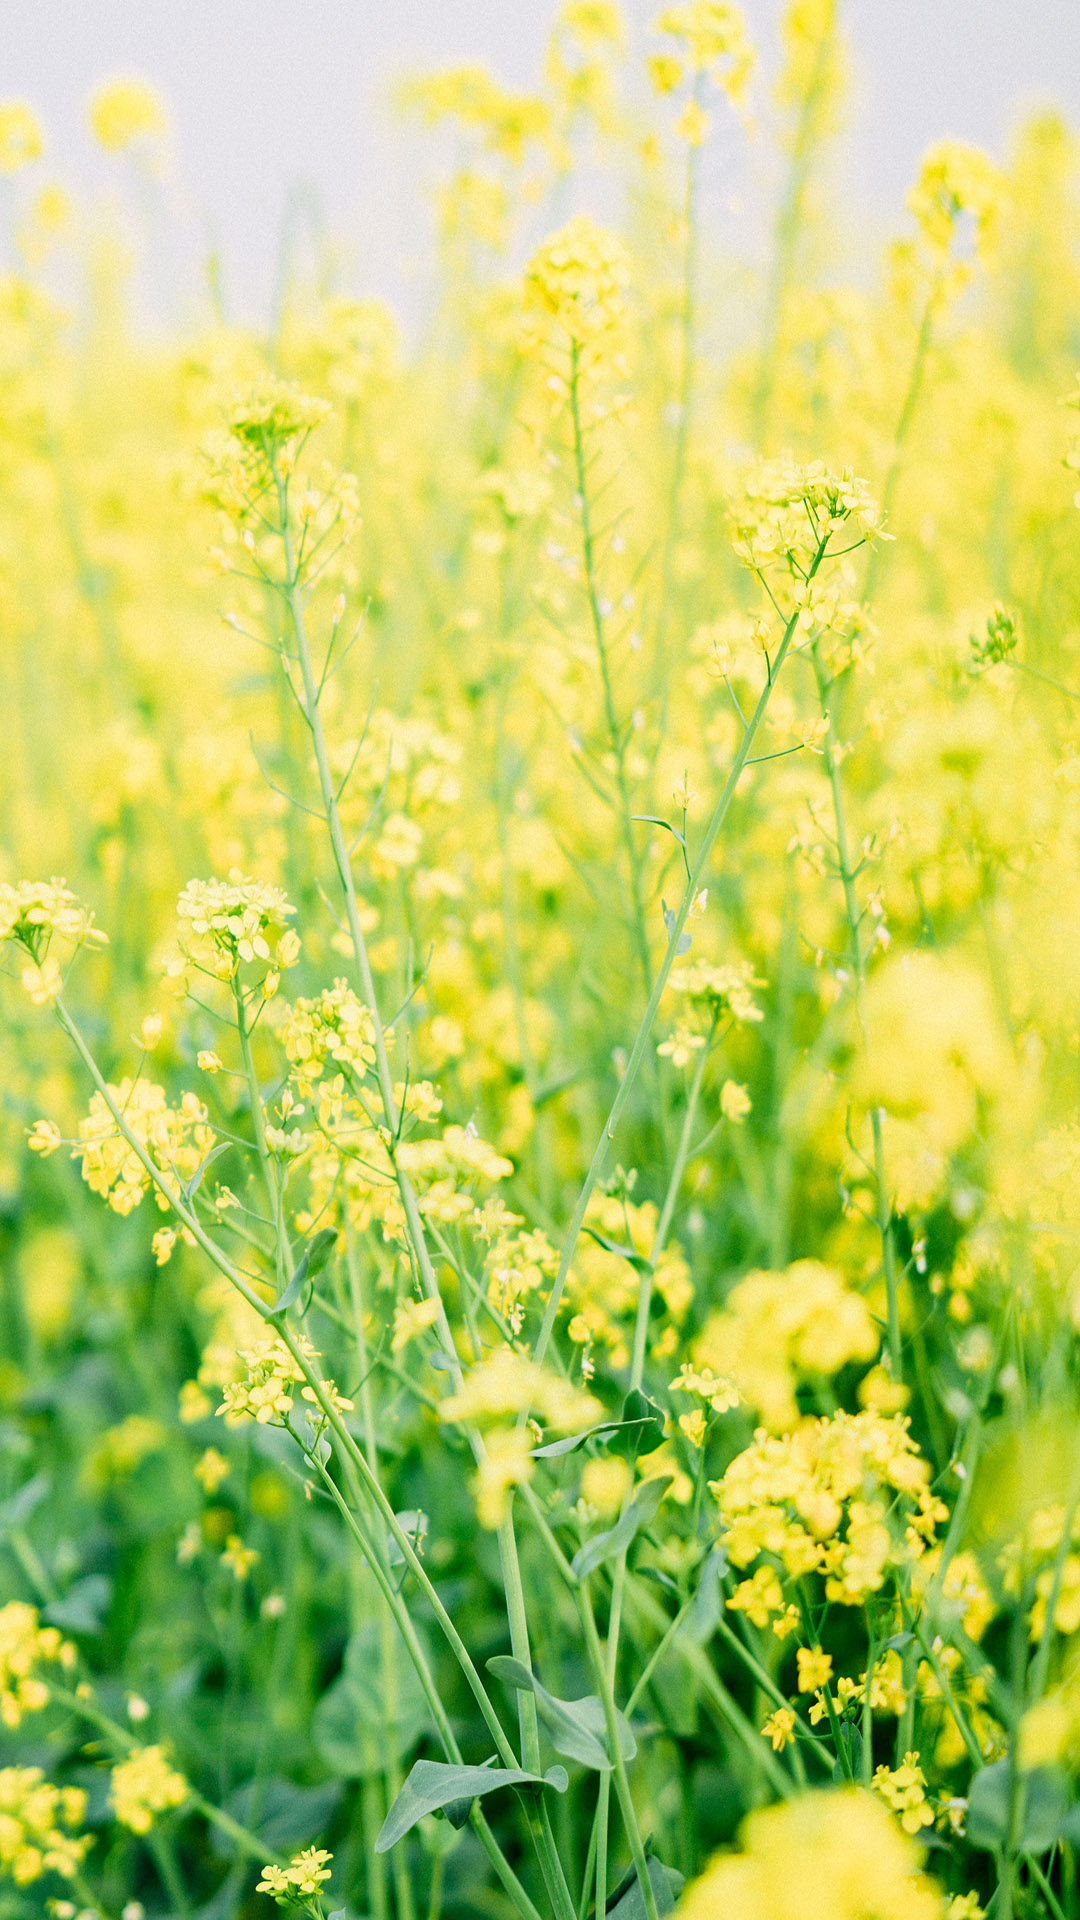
268 93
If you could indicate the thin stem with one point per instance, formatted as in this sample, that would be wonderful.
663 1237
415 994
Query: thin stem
641 1038
596 616
622 1784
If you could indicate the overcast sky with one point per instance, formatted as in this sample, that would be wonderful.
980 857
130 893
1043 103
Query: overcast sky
266 93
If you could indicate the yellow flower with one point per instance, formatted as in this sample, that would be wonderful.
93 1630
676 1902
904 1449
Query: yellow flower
508 1383
411 1317
815 1669
210 1470
21 138
143 1786
42 981
300 1880
665 72
604 1483
838 1847
23 1646
238 1558
681 1046
125 110
33 1816
506 1463
44 1137
735 1102
903 1789
713 39
955 179
577 279
693 124
779 1728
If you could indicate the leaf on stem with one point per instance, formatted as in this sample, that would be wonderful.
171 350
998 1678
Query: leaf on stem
312 1261
628 1901
605 1546
433 1786
577 1727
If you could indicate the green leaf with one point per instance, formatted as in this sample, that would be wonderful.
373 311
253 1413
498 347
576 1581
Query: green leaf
628 1901
555 1449
312 1261
577 1727
1070 1826
350 1721
16 1511
282 1815
432 1785
605 1546
1045 1806
641 1434
414 1524
629 1254
657 820
83 1607
707 1607
852 1742
640 1428
201 1171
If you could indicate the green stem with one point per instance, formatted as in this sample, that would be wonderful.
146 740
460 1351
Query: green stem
615 734
857 959
622 1784
641 1038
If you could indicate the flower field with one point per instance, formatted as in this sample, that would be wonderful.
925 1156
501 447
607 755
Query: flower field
539 1147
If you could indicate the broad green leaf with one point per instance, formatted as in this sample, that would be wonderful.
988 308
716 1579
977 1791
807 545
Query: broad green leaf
628 1901
433 1785
641 1428
16 1511
283 1815
605 1546
642 1434
350 1721
83 1607
1045 1807
577 1727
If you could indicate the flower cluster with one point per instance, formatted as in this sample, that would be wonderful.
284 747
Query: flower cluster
21 138
144 1785
505 1384
224 923
24 1644
265 1392
602 1289
177 1140
576 283
335 1026
825 1856
903 1788
823 1500
711 41
777 1330
785 514
723 989
956 179
300 1880
124 111
31 912
36 1818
